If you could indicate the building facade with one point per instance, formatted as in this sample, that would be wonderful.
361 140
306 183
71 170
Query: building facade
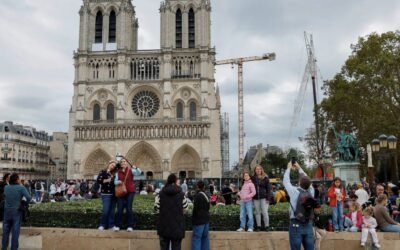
58 154
25 151
159 108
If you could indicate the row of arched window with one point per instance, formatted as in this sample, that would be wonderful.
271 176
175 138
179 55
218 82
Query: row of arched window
112 27
180 114
110 110
178 28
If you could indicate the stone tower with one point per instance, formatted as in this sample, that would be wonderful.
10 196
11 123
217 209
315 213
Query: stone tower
159 108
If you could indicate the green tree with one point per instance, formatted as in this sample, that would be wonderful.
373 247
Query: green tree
365 96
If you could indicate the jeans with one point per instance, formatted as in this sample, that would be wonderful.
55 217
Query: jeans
261 207
125 202
391 228
301 233
107 217
246 208
200 240
170 244
38 195
11 224
349 225
337 216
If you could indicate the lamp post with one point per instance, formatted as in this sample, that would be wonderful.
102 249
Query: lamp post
384 147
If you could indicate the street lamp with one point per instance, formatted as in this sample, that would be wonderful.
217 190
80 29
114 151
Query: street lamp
385 147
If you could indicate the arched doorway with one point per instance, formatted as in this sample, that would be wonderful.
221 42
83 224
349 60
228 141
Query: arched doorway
96 161
147 158
186 162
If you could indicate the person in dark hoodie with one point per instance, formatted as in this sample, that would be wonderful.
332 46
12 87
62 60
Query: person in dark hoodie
171 204
201 219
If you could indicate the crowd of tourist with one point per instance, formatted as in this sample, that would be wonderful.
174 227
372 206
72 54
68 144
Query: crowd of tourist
356 207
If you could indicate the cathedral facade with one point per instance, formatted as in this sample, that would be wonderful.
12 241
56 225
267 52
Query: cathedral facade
159 108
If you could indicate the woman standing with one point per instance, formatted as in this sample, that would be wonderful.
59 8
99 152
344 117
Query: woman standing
12 214
337 195
246 203
261 199
385 221
126 174
105 179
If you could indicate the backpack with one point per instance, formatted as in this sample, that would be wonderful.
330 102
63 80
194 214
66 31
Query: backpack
95 188
305 206
272 200
38 185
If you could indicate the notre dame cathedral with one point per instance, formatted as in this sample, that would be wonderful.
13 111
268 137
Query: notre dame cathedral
159 108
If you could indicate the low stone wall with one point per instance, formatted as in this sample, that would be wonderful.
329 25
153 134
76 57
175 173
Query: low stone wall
88 239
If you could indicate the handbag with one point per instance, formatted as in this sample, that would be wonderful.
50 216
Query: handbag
120 189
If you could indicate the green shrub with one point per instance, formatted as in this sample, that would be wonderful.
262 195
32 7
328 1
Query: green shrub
86 214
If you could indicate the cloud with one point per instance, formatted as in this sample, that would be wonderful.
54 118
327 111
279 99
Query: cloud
36 66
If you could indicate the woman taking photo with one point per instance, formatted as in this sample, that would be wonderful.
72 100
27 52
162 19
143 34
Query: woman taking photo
106 181
261 199
382 216
126 175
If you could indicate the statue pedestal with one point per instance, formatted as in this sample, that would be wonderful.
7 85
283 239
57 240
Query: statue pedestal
347 171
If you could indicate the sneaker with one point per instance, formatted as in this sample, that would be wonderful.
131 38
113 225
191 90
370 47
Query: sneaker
240 230
249 230
257 229
101 228
115 229
266 229
363 244
336 231
377 245
129 229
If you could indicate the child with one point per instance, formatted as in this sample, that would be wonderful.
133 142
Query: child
337 195
353 220
246 203
368 226
319 228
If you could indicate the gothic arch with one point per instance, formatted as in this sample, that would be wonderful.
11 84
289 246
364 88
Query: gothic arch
95 161
97 8
177 96
146 157
112 7
186 159
94 98
176 7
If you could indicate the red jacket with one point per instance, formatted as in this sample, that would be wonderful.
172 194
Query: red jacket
332 196
359 218
129 183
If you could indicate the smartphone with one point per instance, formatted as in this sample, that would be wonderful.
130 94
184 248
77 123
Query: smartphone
293 160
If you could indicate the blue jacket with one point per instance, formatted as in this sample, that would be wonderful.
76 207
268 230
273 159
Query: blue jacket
13 196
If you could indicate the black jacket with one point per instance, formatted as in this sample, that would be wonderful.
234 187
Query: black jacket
201 207
171 221
263 188
107 187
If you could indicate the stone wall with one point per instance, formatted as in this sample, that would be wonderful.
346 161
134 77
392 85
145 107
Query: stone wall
66 238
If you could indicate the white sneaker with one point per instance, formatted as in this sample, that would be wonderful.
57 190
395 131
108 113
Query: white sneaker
101 228
249 230
377 245
363 244
129 229
115 229
240 230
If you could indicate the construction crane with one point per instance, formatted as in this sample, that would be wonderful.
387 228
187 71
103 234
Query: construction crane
310 72
239 62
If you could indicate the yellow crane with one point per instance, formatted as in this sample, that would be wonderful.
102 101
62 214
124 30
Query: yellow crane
239 62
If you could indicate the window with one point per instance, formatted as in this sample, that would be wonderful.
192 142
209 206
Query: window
145 104
112 28
98 37
179 111
110 112
178 29
96 112
191 28
193 114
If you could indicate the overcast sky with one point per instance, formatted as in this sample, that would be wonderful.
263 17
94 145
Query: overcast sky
39 36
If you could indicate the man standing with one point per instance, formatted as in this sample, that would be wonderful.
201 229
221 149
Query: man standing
171 203
12 215
201 219
300 232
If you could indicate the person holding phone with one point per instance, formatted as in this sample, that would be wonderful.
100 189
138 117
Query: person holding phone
126 173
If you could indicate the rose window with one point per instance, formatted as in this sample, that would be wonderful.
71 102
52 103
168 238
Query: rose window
145 104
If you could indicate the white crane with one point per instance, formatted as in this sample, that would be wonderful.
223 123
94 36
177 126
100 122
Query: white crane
310 72
239 62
